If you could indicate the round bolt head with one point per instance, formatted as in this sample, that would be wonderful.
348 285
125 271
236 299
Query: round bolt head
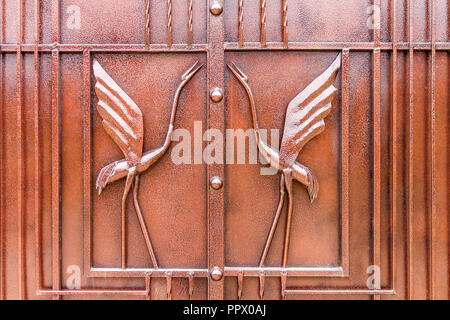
216 183
216 94
216 8
216 273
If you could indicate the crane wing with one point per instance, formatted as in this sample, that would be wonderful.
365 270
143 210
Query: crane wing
122 118
306 112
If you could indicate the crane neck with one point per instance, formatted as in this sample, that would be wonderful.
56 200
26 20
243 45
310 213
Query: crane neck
253 110
169 134
151 156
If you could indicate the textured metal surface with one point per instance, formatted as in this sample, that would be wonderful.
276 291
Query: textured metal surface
382 161
123 121
304 120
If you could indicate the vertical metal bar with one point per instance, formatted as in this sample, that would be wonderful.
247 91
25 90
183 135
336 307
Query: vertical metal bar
37 160
284 22
376 260
2 211
433 217
148 287
190 18
2 21
241 23
240 283
191 285
283 285
410 179
394 188
169 23
20 218
262 278
87 144
263 23
56 277
345 159
215 119
147 24
169 285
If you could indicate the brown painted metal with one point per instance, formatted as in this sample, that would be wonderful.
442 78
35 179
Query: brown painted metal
376 165
19 97
263 23
304 120
216 120
382 160
394 150
123 121
262 279
56 149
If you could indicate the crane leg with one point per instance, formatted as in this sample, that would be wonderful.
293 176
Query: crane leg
288 182
128 184
142 223
274 223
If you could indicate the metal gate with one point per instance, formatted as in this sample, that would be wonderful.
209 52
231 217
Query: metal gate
85 83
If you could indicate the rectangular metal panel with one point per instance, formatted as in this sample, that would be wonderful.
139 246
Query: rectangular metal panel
381 161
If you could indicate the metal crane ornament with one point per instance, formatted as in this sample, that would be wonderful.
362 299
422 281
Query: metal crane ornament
304 120
123 121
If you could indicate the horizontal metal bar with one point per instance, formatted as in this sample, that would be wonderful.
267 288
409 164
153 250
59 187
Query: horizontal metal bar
292 272
106 48
92 291
338 291
290 291
229 46
142 272
228 272
355 46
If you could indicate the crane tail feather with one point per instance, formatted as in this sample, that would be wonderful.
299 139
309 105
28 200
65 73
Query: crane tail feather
104 176
313 186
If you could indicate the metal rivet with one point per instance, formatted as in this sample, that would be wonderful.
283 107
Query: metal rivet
216 8
216 94
216 183
216 273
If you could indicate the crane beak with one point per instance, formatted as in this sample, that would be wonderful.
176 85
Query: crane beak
237 72
192 70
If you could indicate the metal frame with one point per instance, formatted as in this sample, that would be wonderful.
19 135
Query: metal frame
215 49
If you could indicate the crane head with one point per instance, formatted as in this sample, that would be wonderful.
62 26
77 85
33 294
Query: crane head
191 71
238 72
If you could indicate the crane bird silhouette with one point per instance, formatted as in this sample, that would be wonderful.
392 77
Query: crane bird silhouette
123 121
304 120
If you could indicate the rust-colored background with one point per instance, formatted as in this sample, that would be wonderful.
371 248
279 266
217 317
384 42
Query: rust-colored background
382 162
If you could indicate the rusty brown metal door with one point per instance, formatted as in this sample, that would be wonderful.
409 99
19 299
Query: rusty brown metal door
99 97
